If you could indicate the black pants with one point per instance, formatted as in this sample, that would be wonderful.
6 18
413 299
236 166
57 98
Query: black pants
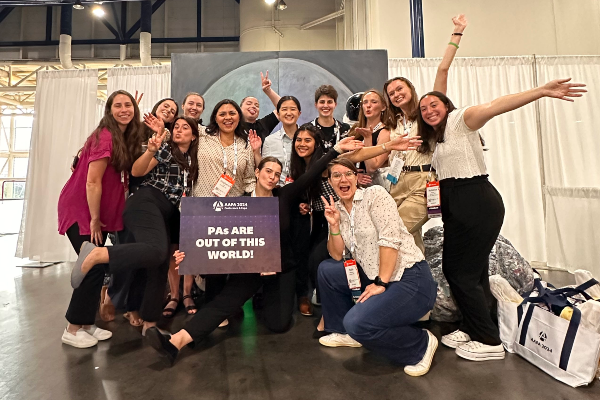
85 299
301 242
147 218
472 212
278 306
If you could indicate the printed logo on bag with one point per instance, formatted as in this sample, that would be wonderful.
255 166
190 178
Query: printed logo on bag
233 205
217 206
543 337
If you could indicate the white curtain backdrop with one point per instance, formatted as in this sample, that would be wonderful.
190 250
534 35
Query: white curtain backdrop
571 159
154 82
65 115
100 104
512 160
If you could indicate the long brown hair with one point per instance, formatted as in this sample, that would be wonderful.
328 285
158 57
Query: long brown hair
413 106
429 134
387 118
180 159
126 146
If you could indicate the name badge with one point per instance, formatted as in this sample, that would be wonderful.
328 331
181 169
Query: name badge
352 274
434 201
223 186
288 180
395 170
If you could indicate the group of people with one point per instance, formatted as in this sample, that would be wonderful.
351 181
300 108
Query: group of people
347 235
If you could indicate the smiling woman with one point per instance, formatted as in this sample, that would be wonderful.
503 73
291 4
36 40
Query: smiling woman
395 288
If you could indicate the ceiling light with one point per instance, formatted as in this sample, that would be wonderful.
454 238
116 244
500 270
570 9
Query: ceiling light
270 2
98 12
78 5
281 5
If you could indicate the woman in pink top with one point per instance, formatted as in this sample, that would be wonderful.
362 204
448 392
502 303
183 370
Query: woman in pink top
92 201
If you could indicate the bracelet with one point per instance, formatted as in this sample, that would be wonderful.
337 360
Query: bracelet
334 234
457 34
383 146
453 44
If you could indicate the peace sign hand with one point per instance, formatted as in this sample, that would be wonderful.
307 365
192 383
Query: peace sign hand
138 99
156 141
560 89
266 82
332 214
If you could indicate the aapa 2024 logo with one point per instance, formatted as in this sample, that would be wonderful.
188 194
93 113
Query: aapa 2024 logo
543 337
234 205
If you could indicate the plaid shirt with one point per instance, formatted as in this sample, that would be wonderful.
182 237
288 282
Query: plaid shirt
326 191
167 176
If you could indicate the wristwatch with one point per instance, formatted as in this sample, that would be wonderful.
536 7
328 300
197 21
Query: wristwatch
379 282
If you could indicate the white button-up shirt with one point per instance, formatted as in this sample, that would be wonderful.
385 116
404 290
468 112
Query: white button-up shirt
376 224
279 145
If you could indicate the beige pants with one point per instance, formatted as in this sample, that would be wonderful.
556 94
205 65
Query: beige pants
409 194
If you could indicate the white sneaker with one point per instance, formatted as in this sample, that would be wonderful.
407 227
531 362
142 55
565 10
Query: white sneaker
81 339
423 366
98 333
455 339
476 351
339 340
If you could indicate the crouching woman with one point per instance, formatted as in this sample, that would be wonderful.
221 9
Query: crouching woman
395 287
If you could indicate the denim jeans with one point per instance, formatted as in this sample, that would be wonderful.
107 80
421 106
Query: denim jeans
382 323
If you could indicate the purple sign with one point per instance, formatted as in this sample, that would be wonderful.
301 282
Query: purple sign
229 235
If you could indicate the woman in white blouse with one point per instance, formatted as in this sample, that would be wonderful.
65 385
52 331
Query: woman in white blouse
472 209
395 287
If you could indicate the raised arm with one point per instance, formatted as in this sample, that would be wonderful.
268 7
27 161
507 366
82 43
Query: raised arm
441 78
400 143
477 116
266 87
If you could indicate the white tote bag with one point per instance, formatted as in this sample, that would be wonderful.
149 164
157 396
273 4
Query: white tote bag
563 349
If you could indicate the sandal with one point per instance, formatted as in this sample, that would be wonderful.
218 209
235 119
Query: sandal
193 307
169 312
132 321
107 310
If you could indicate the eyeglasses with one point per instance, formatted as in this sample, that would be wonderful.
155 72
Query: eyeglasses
336 176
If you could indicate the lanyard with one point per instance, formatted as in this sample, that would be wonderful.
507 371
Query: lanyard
185 174
352 239
286 165
225 156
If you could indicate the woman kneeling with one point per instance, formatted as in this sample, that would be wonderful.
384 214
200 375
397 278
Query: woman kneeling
395 287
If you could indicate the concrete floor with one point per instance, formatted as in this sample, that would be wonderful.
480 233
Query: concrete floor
243 361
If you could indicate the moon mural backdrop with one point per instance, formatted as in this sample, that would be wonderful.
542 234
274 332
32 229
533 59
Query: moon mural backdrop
219 76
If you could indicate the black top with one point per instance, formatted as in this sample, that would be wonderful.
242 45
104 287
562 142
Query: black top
330 132
289 199
263 126
375 136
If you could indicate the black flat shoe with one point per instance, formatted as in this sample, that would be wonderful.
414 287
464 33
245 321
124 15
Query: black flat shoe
161 344
317 334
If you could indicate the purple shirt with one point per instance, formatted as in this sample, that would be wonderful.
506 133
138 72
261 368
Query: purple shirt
72 203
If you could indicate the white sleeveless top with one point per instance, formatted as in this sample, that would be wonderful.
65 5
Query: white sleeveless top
461 153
